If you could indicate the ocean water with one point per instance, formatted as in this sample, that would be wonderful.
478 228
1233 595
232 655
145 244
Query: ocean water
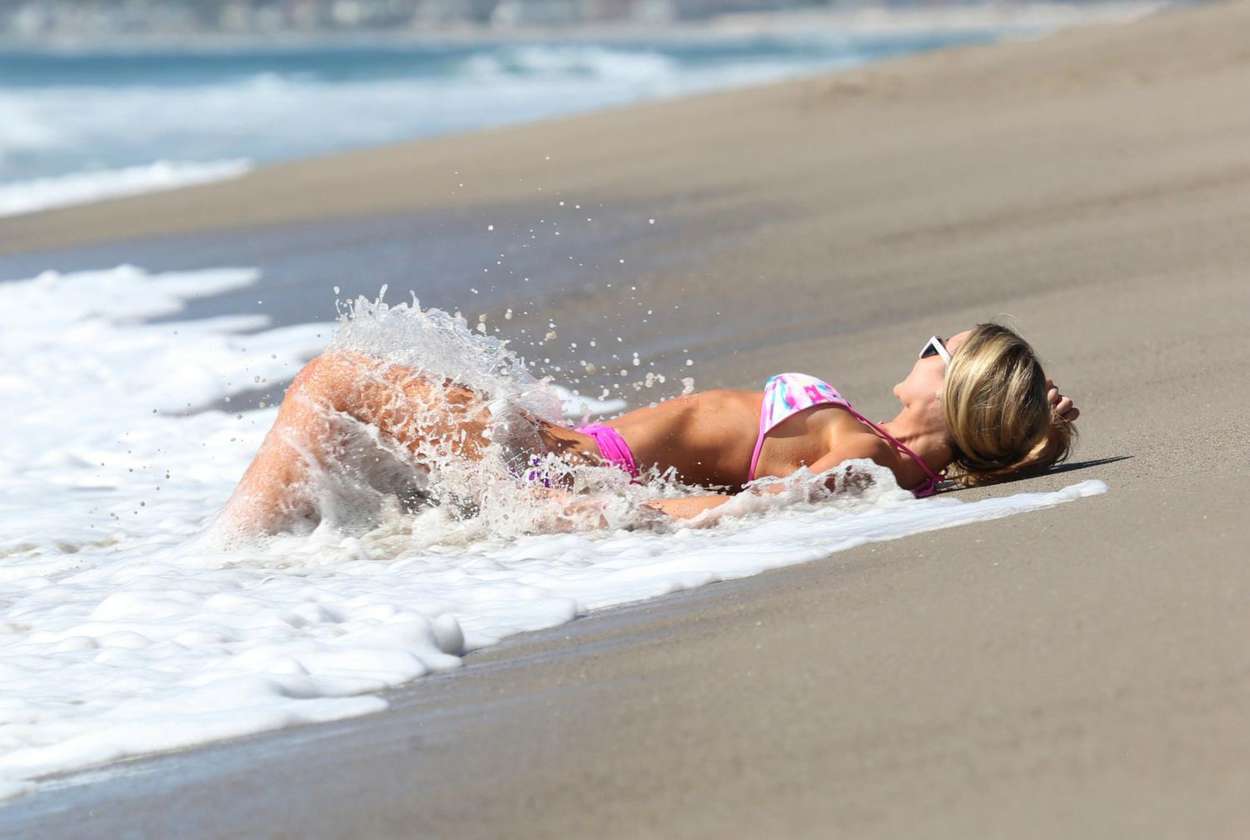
131 623
78 123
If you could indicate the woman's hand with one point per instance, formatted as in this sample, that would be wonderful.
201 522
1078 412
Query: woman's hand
585 511
1061 406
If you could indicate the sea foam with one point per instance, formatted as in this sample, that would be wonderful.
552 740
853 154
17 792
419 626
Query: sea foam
126 628
83 187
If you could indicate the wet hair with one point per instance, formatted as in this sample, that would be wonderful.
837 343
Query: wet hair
999 418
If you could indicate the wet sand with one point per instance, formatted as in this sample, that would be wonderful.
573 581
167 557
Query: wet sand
1081 671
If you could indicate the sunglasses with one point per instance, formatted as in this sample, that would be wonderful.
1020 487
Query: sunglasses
936 347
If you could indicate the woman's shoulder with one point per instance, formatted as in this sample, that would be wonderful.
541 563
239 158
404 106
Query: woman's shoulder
854 439
849 435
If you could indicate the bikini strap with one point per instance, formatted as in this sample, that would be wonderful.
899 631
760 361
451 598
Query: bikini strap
934 479
765 416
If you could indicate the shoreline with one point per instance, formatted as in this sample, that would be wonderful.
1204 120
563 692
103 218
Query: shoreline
1076 672
517 171
798 44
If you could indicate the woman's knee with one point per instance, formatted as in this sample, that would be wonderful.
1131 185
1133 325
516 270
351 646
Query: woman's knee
317 381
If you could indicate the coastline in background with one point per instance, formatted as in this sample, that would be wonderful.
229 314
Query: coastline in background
211 108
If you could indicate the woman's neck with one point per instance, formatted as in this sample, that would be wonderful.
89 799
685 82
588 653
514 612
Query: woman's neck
922 436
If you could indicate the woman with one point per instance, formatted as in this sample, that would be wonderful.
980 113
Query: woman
978 401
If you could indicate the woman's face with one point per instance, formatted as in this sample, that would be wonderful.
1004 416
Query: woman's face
925 382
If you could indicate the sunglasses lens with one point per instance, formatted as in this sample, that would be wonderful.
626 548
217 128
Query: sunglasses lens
935 347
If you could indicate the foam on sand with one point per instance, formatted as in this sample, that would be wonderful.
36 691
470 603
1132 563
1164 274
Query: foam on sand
126 629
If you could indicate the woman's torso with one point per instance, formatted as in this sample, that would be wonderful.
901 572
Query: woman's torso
709 438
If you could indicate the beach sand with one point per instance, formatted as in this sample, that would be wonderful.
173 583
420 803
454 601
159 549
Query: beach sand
1078 672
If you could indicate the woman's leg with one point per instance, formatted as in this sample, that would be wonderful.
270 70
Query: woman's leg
316 418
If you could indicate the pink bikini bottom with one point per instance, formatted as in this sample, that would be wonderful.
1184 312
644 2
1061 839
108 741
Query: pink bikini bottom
612 447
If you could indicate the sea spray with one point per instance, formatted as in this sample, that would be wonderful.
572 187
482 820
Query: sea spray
440 416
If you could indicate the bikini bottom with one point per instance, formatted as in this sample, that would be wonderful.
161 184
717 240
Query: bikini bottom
612 447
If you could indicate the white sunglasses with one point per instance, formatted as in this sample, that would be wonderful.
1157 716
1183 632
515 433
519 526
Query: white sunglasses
935 346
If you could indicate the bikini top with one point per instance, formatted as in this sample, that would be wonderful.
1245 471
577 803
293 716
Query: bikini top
786 394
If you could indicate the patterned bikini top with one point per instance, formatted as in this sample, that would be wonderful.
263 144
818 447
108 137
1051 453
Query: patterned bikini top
786 394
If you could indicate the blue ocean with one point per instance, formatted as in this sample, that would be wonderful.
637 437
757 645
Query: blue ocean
82 122
93 116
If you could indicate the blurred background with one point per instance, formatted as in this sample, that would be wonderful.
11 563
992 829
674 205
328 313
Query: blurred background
111 97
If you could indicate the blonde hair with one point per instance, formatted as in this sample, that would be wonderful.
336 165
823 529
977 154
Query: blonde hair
997 412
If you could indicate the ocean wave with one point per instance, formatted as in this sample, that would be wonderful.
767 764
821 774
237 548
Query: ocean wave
100 114
81 187
67 112
576 61
55 129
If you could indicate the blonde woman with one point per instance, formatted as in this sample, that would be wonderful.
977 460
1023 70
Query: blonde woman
976 406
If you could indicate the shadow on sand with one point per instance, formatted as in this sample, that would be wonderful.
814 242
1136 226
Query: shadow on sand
1069 466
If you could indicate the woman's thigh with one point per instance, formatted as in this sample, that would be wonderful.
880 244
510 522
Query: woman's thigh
410 407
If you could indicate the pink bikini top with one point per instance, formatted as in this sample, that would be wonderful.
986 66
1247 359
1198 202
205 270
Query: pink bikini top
786 394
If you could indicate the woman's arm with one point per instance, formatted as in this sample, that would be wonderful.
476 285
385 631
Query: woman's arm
688 507
861 446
